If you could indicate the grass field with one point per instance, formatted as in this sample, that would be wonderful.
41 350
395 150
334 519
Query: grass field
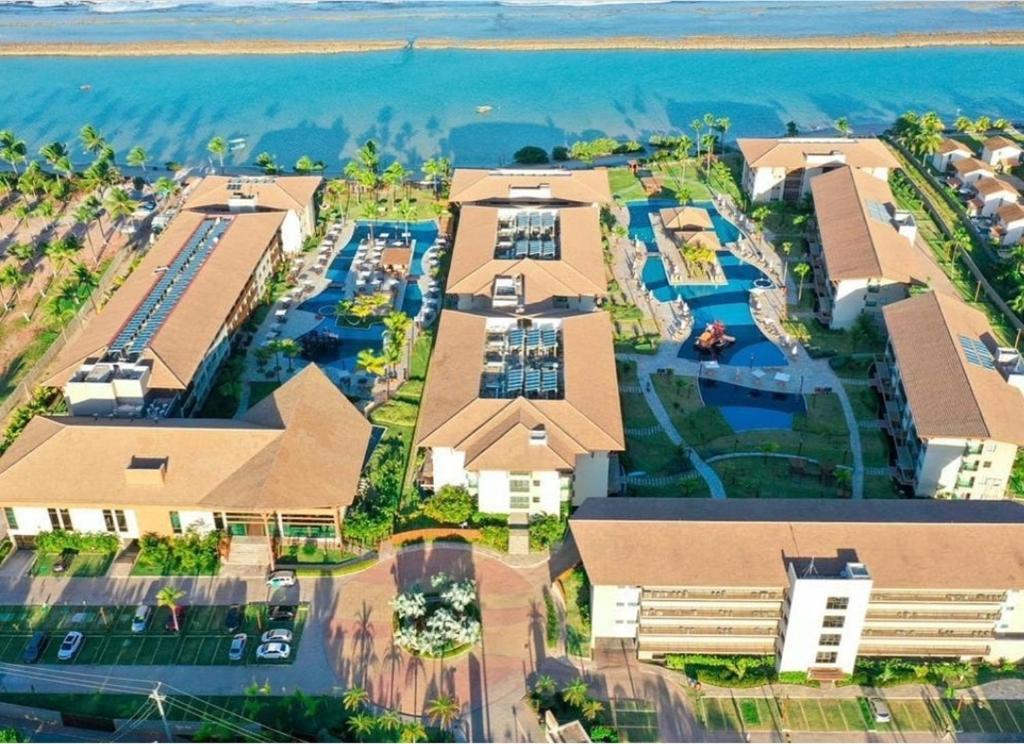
109 640
82 564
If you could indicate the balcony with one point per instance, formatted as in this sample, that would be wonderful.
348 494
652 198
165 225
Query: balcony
941 597
705 646
942 617
721 595
711 613
930 634
698 630
945 652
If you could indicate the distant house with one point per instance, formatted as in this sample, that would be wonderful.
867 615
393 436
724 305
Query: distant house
1009 226
991 193
782 169
293 195
1002 151
949 151
865 256
968 171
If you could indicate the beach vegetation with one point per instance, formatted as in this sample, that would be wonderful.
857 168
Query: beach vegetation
920 133
267 163
218 147
791 129
137 158
306 165
842 125
559 153
530 155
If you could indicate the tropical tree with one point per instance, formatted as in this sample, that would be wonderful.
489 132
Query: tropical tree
119 205
412 733
801 270
393 177
137 158
697 126
389 721
306 165
369 211
406 211
268 163
575 693
169 597
792 130
963 124
360 724
592 709
437 171
843 126
982 124
290 348
354 698
12 277
61 252
23 252
218 146
58 157
12 149
165 187
444 710
92 140
1017 303
372 363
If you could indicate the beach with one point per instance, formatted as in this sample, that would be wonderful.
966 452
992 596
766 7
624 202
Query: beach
238 47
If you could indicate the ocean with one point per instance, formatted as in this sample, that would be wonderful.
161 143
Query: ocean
418 103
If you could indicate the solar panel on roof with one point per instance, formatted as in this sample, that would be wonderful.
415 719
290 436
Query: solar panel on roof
532 382
533 338
549 337
514 380
549 381
515 337
977 353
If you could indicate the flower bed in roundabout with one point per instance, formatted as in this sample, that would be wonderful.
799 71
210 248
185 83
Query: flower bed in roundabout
440 622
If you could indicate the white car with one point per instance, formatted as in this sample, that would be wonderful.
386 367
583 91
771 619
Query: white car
276 650
236 652
70 645
281 578
279 635
141 618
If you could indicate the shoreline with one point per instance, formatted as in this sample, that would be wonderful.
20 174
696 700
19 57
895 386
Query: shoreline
252 47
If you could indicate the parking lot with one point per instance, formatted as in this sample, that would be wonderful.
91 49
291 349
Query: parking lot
204 638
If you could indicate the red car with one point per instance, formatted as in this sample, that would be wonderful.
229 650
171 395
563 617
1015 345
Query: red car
179 612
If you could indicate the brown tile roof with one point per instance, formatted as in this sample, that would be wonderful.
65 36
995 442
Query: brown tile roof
914 544
302 447
579 270
949 396
588 186
990 186
998 141
396 256
494 432
686 218
272 192
951 145
1011 212
970 165
855 243
185 337
793 152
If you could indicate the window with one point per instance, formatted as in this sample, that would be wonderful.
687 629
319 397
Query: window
65 518
218 521
519 482
826 657
837 603
519 502
12 521
108 520
536 499
175 522
122 521
829 639
54 519
833 621
986 464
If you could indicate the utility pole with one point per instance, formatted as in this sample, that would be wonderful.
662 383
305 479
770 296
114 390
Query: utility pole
158 697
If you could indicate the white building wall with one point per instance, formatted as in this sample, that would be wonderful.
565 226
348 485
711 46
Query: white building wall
1000 154
494 494
449 467
292 233
492 491
938 465
1014 232
808 607
590 477
199 521
614 611
992 203
31 520
853 298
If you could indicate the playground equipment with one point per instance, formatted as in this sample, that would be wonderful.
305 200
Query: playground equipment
714 338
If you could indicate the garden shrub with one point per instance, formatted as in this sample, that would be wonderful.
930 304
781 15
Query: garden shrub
58 541
189 554
559 153
450 505
494 536
551 626
604 734
530 155
725 671
545 529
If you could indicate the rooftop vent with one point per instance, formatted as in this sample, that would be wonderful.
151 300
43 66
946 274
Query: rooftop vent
539 435
856 571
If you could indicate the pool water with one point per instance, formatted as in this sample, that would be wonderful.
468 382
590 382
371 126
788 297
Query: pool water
727 302
353 340
746 409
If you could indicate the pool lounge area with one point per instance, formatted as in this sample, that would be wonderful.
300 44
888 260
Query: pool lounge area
728 303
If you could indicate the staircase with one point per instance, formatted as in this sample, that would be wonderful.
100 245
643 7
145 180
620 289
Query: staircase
247 558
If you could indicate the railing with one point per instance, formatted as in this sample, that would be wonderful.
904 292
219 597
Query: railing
930 597
711 613
697 630
944 652
697 645
898 633
913 616
714 594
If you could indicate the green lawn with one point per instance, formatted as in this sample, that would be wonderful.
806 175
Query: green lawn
576 590
204 641
82 564
765 478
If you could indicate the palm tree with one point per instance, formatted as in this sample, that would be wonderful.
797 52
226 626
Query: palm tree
169 597
801 270
119 205
368 211
371 362
12 149
982 124
406 213
307 165
389 721
412 733
92 140
165 187
62 251
24 252
697 126
354 698
544 685
32 181
575 693
291 349
709 148
267 162
843 126
432 169
393 178
1017 303
219 147
57 155
360 724
591 709
963 124
137 158
13 277
444 710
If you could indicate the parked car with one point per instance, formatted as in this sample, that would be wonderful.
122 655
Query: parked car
278 635
283 612
880 710
179 612
233 620
237 650
35 647
281 577
271 651
140 620
63 562
70 645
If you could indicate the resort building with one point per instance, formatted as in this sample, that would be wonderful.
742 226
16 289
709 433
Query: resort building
528 258
816 584
1001 151
155 348
953 400
289 467
1009 226
521 410
782 169
950 150
526 187
863 252
293 195
968 171
991 193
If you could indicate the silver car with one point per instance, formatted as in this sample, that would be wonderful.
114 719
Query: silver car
880 710
70 645
140 620
273 651
237 650
280 635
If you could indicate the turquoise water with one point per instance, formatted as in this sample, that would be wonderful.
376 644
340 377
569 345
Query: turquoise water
420 103
746 409
727 302
354 340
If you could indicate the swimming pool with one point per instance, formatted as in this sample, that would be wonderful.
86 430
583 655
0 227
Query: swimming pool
727 302
747 409
353 340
